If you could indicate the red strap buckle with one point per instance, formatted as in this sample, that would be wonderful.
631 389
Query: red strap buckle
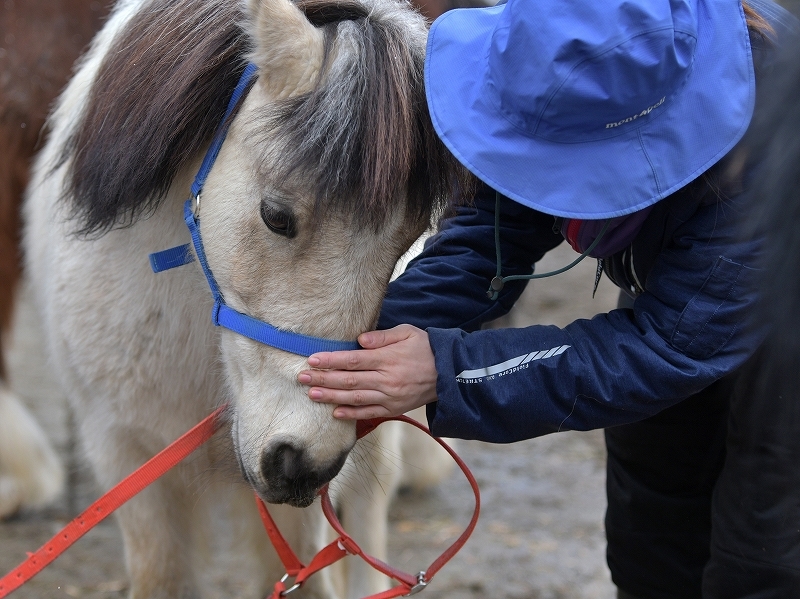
280 586
420 586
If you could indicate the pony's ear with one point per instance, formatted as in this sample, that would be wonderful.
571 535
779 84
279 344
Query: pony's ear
287 48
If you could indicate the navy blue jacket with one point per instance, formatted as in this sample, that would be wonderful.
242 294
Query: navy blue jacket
688 328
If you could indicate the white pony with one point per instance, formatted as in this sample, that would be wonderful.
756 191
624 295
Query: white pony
329 171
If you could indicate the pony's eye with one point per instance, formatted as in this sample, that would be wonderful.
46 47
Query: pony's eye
278 220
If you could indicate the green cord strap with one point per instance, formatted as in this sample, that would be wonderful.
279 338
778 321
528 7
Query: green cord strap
499 281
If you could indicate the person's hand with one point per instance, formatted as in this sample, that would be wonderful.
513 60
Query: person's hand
394 373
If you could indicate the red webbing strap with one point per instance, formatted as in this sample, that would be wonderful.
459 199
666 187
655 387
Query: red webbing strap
345 544
447 555
329 554
288 558
100 509
352 546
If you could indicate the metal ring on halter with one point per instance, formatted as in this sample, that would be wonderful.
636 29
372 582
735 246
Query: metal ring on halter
420 586
196 206
292 588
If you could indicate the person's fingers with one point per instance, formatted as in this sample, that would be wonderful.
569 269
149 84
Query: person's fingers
356 397
341 379
360 413
395 374
360 359
377 339
343 360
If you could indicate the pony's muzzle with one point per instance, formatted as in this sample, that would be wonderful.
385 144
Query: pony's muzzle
290 476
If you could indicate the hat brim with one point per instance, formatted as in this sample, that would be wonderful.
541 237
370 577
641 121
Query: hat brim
594 179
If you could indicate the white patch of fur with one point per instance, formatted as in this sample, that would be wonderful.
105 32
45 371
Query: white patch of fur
31 475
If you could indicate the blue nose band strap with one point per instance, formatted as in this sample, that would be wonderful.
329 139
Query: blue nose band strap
222 314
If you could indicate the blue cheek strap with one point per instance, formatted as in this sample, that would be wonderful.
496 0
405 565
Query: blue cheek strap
222 314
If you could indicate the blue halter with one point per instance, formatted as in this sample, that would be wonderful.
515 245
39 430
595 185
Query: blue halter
223 315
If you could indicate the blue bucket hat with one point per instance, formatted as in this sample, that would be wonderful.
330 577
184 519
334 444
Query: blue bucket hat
590 109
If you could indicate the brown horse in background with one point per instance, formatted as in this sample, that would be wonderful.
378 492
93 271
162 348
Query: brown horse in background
39 42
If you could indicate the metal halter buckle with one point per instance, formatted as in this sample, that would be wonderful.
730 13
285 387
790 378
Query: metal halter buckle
292 588
196 206
421 584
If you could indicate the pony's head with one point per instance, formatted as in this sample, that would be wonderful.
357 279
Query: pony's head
329 171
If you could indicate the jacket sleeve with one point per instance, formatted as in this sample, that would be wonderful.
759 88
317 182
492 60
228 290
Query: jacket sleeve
690 327
445 286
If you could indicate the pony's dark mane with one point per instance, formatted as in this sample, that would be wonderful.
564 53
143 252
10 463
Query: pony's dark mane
163 88
158 97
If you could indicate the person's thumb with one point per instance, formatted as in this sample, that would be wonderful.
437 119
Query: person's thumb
376 339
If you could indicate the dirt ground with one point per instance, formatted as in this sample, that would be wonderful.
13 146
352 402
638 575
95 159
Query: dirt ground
540 535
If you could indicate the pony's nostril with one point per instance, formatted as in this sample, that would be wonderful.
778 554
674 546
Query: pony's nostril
283 463
289 475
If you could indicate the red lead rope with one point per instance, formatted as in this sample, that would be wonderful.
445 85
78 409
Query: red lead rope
186 444
153 469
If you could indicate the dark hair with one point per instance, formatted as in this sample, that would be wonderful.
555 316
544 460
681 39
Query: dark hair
755 22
